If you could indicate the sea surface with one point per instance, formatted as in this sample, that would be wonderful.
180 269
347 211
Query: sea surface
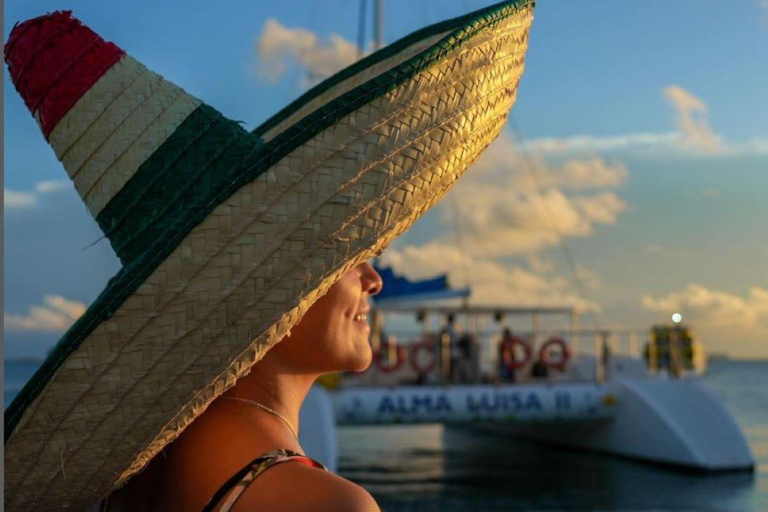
426 468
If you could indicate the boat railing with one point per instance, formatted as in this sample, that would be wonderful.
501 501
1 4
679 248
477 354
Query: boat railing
428 357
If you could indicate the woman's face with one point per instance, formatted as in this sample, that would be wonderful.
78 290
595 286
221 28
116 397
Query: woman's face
334 333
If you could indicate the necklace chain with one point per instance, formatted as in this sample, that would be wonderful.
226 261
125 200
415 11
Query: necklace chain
269 410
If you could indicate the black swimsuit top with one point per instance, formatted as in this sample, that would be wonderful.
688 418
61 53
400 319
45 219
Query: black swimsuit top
235 486
230 492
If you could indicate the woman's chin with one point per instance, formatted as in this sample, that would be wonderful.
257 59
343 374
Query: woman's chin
361 360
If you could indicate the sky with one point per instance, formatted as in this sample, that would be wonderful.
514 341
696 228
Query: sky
638 146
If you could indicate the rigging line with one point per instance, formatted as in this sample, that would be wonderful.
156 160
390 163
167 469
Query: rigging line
564 247
423 13
458 236
312 15
361 29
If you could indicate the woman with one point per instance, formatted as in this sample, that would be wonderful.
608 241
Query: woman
234 430
228 240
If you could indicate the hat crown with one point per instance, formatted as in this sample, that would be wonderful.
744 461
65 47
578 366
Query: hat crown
53 60
142 153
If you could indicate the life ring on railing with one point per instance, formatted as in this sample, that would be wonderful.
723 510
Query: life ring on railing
509 354
379 357
546 357
416 349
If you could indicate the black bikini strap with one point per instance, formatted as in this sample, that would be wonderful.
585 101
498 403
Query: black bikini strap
229 484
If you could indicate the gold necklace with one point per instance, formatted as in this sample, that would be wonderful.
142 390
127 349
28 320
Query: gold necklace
269 410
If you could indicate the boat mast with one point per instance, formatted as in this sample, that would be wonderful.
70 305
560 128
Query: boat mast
378 36
378 23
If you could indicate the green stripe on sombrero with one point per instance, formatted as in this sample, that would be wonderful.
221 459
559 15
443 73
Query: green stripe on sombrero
206 152
136 272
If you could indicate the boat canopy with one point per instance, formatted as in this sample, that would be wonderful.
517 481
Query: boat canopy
397 288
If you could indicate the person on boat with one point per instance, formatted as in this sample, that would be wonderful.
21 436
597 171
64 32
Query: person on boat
539 370
449 339
506 372
245 260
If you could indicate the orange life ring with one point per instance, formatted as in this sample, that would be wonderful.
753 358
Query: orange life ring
508 353
378 359
429 346
546 358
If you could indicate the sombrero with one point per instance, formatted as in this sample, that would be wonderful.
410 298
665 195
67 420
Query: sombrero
226 237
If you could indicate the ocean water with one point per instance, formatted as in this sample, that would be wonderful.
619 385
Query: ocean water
429 468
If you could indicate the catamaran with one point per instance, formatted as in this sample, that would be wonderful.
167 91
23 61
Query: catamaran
531 373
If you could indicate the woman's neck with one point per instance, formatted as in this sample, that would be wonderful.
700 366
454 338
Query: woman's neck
276 388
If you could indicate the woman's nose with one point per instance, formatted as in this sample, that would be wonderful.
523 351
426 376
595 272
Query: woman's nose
372 282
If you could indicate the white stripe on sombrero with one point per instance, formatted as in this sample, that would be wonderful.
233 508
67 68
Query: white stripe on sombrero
461 140
127 132
109 118
92 104
126 165
352 82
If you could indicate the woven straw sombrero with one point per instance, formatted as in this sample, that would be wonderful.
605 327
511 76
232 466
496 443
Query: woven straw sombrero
226 237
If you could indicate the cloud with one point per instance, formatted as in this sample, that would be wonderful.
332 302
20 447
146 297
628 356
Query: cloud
55 314
16 200
518 203
277 46
692 120
504 221
714 308
663 143
526 168
653 249
492 283
762 4
589 143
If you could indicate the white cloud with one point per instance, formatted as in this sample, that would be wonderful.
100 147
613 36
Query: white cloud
526 168
657 143
706 307
277 46
589 143
518 203
17 200
505 222
653 249
46 187
55 314
762 4
692 120
492 283
13 199
540 265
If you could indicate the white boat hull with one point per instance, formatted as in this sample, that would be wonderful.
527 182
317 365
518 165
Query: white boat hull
672 422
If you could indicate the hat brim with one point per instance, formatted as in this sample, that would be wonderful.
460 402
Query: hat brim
343 171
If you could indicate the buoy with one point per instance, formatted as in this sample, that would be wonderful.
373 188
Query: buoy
558 362
509 354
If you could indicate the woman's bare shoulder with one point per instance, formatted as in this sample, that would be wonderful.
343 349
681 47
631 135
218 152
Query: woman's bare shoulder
295 487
